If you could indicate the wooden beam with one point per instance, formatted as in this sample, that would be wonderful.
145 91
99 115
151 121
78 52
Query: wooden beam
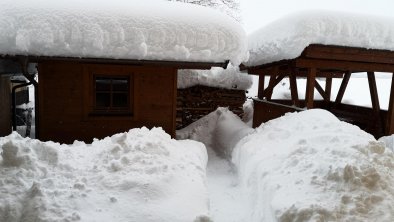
375 102
328 88
310 88
293 88
260 93
342 88
176 64
344 53
267 93
300 72
320 90
269 90
390 113
373 91
344 65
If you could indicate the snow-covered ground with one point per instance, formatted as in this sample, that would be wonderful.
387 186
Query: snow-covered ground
306 166
309 166
142 175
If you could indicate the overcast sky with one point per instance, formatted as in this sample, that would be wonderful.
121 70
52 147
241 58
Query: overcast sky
257 13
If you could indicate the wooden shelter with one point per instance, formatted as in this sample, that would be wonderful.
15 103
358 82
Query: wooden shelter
327 62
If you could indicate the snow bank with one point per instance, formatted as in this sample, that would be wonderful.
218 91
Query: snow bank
388 141
221 130
120 29
287 38
230 78
309 166
142 175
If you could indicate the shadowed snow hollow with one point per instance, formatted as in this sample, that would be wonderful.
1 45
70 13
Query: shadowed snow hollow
136 176
309 166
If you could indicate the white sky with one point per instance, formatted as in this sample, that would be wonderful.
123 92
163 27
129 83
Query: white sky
256 13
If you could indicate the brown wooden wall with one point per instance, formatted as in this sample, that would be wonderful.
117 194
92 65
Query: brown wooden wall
66 100
5 106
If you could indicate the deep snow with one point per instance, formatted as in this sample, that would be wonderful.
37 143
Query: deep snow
120 29
309 166
306 166
287 37
141 175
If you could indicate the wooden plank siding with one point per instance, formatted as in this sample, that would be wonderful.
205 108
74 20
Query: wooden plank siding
5 106
66 98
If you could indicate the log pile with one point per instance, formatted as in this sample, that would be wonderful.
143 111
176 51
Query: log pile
198 101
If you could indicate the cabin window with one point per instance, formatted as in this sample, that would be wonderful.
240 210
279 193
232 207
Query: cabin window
112 95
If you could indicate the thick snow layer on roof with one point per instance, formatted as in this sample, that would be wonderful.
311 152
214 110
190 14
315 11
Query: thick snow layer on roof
309 166
230 78
142 175
287 38
120 29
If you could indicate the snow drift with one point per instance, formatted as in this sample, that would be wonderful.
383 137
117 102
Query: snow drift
142 175
309 166
120 29
286 38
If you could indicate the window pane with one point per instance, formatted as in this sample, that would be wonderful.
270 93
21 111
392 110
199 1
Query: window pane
103 100
120 100
120 84
103 84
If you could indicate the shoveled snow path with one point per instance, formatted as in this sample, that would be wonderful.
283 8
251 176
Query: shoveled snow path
227 204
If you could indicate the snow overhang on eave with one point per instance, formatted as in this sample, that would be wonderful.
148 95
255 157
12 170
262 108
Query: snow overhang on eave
174 64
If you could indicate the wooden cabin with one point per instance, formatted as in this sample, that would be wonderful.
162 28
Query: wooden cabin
100 76
327 62
82 99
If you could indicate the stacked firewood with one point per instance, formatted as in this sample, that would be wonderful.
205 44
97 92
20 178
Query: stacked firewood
198 101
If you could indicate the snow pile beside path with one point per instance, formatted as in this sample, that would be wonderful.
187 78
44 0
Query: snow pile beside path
230 78
287 38
142 175
309 166
388 141
221 130
120 29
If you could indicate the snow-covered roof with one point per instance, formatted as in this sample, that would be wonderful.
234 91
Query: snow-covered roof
120 29
229 78
288 37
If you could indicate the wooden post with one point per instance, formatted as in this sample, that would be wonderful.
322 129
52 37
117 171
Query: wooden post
310 88
328 88
342 88
293 88
5 104
374 93
390 112
375 102
260 93
268 92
